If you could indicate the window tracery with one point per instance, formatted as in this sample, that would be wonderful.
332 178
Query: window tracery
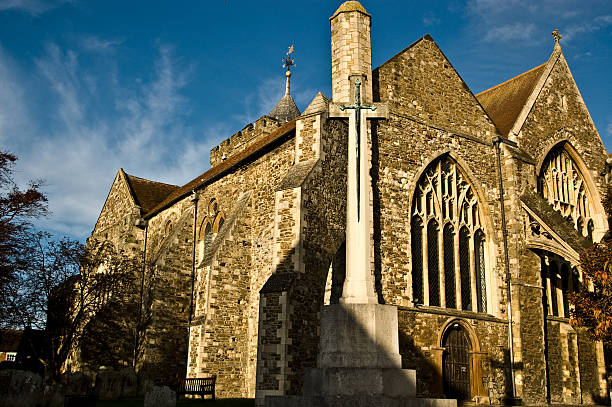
563 185
210 226
448 266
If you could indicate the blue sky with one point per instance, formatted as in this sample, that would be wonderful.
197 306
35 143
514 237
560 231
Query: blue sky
87 87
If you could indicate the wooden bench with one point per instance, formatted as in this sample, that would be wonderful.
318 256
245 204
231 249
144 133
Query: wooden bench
199 386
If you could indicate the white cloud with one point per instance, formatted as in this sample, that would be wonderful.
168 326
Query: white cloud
33 7
94 43
262 100
609 129
491 6
80 150
510 32
13 112
596 24
429 19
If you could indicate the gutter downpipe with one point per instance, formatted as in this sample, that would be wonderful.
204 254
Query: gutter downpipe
142 224
496 143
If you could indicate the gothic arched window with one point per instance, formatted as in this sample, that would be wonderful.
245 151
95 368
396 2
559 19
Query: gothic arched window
563 185
448 242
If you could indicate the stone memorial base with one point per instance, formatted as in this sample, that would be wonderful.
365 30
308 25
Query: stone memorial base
355 401
359 363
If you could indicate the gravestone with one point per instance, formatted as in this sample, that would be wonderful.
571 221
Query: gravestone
160 397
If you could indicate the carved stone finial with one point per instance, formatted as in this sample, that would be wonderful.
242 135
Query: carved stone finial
557 36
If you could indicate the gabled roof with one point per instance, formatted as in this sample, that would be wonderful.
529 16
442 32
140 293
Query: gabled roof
224 166
148 194
504 102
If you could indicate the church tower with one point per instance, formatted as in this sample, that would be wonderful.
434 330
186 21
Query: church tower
351 52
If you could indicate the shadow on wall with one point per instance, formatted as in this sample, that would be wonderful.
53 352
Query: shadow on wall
376 212
429 377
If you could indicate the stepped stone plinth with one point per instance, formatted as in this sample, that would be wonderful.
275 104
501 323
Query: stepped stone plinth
358 363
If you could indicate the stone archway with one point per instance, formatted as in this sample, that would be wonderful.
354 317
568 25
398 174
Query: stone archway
458 347
456 363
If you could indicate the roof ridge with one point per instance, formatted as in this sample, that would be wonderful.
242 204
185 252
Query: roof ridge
223 166
149 180
512 79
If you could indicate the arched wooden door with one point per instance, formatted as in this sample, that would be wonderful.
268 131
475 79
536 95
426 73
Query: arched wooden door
456 362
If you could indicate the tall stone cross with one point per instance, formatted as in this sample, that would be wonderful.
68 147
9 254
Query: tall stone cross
359 281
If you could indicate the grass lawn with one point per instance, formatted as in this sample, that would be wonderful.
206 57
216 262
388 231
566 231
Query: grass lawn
139 402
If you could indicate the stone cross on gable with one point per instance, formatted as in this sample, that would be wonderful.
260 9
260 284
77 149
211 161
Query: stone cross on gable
359 283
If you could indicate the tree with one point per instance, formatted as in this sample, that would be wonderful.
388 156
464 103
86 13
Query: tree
104 292
18 208
592 302
593 307
77 293
70 288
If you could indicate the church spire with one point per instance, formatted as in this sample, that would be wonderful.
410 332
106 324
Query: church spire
286 110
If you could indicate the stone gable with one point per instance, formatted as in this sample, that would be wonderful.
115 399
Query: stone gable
119 204
421 83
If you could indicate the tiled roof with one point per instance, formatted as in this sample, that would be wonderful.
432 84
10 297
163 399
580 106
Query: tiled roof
285 110
296 175
504 102
224 166
149 193
278 282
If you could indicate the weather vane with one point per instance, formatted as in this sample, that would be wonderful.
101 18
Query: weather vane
288 60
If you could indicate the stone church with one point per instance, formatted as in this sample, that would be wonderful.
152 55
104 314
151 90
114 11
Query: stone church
480 207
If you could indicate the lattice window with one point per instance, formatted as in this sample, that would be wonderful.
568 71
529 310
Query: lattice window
479 254
208 235
464 269
449 266
563 185
417 260
432 263
444 196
